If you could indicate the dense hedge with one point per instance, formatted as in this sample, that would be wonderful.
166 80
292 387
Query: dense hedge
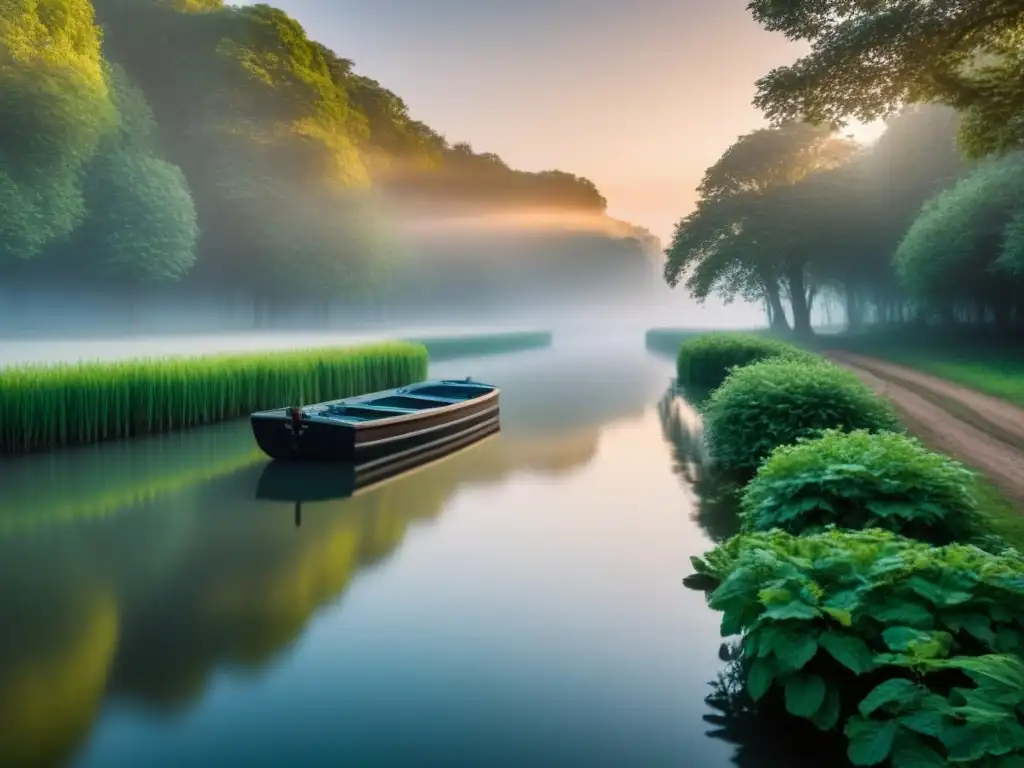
706 360
912 650
777 402
861 480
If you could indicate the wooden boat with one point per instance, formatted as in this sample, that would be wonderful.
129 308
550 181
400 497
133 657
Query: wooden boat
389 425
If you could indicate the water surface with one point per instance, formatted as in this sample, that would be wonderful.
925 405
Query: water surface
517 604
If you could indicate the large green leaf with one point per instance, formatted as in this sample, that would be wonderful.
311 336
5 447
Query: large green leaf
925 645
904 613
849 650
804 694
794 610
828 714
792 647
895 691
871 741
760 677
915 753
928 722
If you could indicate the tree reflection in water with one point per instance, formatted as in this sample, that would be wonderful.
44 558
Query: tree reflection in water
138 570
147 606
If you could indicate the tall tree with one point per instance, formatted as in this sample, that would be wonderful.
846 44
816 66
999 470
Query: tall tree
869 58
958 256
54 109
737 242
140 223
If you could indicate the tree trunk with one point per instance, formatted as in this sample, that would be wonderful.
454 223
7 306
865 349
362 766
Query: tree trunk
778 312
798 301
854 311
1002 312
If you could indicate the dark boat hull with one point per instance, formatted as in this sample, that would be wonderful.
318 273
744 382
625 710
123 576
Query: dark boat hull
328 440
313 481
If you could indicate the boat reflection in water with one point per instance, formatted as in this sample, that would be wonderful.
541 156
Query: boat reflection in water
306 481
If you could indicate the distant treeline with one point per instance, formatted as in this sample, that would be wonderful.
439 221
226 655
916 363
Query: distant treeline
147 141
926 225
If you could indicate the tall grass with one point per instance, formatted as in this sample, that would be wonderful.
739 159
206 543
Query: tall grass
46 407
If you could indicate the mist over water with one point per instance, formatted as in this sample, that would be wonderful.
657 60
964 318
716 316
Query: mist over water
455 275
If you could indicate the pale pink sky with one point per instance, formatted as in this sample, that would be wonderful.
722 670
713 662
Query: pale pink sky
638 95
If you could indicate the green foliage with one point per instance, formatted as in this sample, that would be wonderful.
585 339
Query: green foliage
779 401
705 361
54 110
140 221
860 480
913 650
954 250
868 59
280 142
45 407
739 241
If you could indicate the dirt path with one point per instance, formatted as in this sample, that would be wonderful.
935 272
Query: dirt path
981 431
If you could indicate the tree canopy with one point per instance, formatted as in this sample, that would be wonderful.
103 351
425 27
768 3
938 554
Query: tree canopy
54 110
200 142
815 209
741 241
869 59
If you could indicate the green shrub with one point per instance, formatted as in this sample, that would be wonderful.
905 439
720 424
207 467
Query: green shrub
776 402
861 480
44 407
914 650
705 361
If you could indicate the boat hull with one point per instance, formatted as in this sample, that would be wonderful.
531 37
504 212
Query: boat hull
317 481
323 439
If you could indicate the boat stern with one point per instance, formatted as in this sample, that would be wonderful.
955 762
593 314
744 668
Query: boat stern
288 433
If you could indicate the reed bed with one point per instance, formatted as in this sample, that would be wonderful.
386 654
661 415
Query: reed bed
477 345
43 407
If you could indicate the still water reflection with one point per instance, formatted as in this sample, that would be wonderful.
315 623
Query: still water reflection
517 604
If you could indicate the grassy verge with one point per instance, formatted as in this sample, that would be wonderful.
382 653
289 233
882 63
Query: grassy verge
1004 517
985 364
47 407
935 354
441 348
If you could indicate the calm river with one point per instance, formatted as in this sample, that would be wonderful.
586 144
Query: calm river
518 604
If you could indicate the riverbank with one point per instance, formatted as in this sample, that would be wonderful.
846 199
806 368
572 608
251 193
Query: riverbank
855 542
983 362
982 432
